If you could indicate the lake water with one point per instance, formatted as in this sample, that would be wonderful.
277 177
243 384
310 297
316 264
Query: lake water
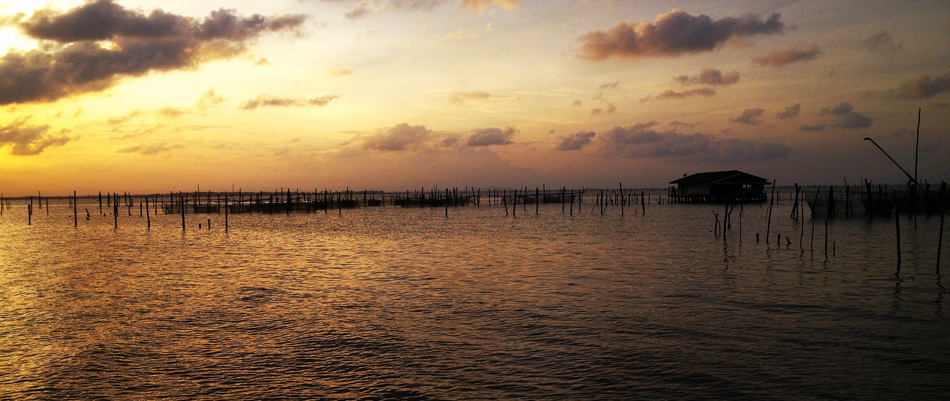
393 303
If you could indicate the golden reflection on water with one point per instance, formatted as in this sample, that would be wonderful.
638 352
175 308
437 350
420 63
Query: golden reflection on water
387 302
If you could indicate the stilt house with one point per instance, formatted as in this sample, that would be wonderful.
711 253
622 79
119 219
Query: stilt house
731 186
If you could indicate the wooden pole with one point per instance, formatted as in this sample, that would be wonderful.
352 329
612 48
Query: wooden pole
75 211
514 205
148 216
942 199
504 201
897 225
768 227
826 238
226 212
643 204
115 210
537 201
621 199
29 213
182 214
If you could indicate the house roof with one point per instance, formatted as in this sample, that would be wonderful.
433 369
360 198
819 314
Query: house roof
734 177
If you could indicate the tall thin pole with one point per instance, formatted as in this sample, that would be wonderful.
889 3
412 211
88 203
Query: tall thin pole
917 147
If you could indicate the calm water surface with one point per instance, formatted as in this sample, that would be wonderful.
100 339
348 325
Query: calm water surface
391 303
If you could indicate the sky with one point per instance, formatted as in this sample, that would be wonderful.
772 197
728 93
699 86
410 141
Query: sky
149 96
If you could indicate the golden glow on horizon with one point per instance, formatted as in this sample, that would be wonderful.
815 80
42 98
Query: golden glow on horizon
302 105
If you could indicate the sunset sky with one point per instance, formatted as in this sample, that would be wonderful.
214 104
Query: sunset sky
154 96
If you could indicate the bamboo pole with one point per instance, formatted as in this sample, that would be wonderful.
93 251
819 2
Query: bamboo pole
75 211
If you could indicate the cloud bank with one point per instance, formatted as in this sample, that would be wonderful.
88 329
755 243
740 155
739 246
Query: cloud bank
90 47
405 137
27 139
673 34
709 76
844 116
882 43
491 136
671 94
273 101
789 112
575 141
749 117
641 140
924 86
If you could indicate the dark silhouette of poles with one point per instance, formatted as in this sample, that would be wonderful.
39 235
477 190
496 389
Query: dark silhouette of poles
75 211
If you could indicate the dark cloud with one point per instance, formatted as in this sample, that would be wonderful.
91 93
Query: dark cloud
709 76
576 103
845 117
881 42
924 86
673 34
461 97
749 116
812 127
575 141
791 55
27 139
491 136
449 141
147 150
273 101
789 112
671 94
610 85
75 61
400 137
641 140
